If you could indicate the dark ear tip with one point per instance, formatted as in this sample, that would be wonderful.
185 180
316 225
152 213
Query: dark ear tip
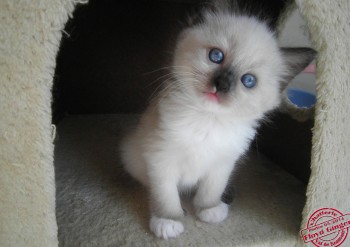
299 50
305 54
297 59
311 52
197 15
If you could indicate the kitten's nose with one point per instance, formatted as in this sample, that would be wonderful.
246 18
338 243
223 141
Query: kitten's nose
223 80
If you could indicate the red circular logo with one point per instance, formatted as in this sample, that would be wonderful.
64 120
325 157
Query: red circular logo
326 227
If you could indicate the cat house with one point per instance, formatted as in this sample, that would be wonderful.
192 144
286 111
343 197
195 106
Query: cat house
66 100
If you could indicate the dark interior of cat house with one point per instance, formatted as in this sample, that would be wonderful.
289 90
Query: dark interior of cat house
111 62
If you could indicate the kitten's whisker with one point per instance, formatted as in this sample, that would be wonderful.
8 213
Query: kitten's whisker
158 79
162 88
156 70
156 91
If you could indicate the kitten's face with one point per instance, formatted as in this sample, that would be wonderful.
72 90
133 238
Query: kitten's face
230 64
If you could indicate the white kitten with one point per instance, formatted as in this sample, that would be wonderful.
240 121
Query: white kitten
227 73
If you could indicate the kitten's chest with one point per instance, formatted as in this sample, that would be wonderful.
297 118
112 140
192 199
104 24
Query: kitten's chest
207 138
204 142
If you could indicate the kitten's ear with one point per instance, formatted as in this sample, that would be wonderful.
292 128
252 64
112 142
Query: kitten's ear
223 5
296 60
195 19
197 16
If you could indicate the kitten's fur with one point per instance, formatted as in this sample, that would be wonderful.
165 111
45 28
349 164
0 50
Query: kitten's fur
189 138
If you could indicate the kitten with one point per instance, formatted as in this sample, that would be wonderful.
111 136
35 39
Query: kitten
227 73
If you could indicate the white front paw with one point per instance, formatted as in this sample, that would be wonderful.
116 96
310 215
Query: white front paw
213 215
166 228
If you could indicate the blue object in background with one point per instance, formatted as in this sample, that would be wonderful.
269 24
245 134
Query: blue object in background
301 98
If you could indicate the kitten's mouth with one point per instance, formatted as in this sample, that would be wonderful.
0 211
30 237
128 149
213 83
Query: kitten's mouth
212 94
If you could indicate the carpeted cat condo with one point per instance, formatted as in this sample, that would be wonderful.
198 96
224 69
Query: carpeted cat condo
30 36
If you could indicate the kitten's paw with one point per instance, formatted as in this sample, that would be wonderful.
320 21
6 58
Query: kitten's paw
213 215
166 228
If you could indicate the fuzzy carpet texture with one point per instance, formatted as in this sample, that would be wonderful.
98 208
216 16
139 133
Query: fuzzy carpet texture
98 204
30 34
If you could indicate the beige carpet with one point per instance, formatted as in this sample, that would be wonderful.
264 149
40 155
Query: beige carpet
99 205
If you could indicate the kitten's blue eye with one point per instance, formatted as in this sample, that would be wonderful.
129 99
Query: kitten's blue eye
248 80
216 55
